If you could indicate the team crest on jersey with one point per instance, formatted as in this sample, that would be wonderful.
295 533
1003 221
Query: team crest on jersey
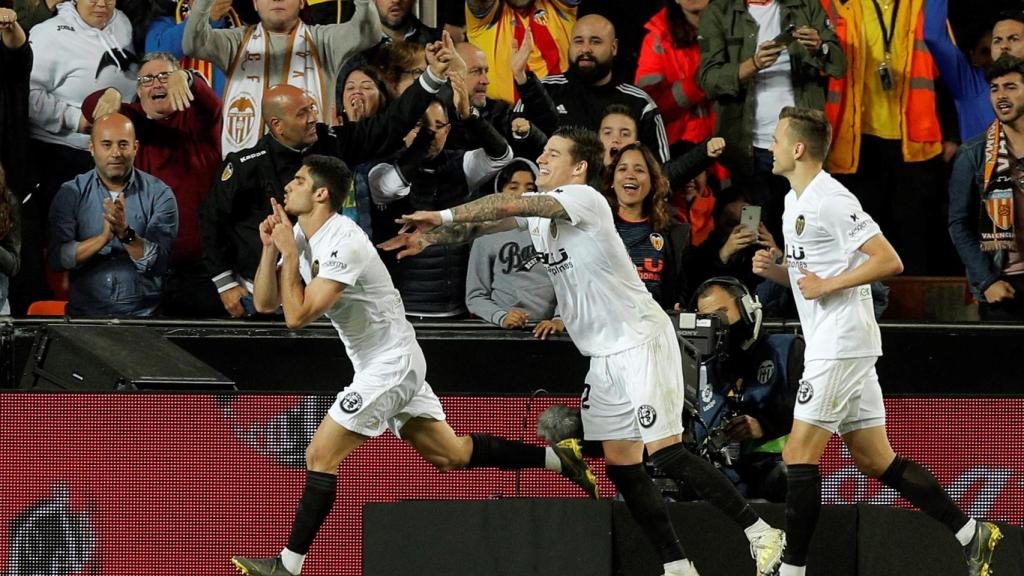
241 119
766 371
351 403
316 268
647 415
226 174
801 222
658 241
805 393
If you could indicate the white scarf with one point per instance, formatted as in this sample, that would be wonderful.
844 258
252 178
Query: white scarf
249 76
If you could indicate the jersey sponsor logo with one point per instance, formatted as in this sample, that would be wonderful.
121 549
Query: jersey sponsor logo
801 222
858 228
316 268
805 393
241 119
556 267
795 254
647 415
248 157
335 265
65 28
351 403
766 371
651 269
226 174
658 241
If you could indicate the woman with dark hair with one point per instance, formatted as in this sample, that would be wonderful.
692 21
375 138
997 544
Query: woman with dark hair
667 70
362 93
10 241
638 192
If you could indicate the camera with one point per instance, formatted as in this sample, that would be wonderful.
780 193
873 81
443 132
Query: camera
703 334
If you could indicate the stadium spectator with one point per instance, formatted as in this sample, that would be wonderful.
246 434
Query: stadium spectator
668 70
750 80
527 141
507 284
426 174
32 12
401 63
582 94
313 56
167 32
10 241
249 178
638 192
499 27
362 94
113 228
617 130
691 197
986 200
177 121
15 69
886 127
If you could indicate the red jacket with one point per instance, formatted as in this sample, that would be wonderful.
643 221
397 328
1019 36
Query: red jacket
669 75
183 151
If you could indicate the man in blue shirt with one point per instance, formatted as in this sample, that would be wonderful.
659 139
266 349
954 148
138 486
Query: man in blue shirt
965 81
113 228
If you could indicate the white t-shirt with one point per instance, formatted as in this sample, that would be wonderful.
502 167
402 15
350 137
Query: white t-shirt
601 299
369 316
824 229
773 86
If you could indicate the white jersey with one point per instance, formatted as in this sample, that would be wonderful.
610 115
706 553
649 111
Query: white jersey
369 316
601 299
824 229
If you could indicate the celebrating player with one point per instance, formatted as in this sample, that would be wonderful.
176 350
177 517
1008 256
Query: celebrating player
327 265
834 250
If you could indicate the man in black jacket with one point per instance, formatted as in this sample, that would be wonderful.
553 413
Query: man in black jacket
240 198
582 94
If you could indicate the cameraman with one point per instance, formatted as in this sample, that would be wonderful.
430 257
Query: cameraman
747 391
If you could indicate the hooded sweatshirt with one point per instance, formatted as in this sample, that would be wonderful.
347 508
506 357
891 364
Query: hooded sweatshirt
67 68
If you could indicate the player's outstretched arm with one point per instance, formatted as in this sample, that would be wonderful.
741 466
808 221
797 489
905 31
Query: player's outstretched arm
411 241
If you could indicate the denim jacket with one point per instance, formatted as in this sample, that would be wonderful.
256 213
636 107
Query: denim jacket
965 188
111 283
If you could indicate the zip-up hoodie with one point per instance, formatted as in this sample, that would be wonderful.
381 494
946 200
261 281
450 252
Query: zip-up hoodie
68 54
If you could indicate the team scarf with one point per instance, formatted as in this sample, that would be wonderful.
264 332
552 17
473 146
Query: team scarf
250 76
996 216
204 67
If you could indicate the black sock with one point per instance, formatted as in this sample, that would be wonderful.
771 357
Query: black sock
496 452
803 505
915 483
314 506
648 509
710 484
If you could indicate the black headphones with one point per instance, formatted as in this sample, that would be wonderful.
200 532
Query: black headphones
750 306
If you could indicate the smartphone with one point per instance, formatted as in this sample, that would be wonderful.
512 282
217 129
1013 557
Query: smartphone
750 217
786 36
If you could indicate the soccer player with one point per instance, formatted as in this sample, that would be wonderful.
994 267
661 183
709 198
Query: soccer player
634 390
834 250
327 265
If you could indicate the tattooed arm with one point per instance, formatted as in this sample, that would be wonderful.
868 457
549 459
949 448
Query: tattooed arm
412 243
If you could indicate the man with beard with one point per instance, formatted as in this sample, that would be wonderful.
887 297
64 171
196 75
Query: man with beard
113 228
177 118
986 200
582 94
499 27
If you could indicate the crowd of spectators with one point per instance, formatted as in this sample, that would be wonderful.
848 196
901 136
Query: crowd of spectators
141 141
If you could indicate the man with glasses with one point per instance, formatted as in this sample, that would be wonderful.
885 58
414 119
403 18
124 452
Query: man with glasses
428 175
177 118
966 80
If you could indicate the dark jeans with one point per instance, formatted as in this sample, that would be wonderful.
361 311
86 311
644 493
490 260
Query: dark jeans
1007 310
53 165
189 293
903 197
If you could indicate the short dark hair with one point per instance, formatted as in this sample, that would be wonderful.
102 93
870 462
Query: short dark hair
331 173
621 110
1003 66
586 147
811 128
1015 15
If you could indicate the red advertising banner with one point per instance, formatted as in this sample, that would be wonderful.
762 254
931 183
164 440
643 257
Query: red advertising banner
140 484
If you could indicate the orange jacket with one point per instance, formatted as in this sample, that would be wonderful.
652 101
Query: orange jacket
922 135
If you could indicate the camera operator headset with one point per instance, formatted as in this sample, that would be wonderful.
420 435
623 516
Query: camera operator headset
747 391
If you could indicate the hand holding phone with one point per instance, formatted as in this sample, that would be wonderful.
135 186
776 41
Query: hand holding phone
785 37
750 217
